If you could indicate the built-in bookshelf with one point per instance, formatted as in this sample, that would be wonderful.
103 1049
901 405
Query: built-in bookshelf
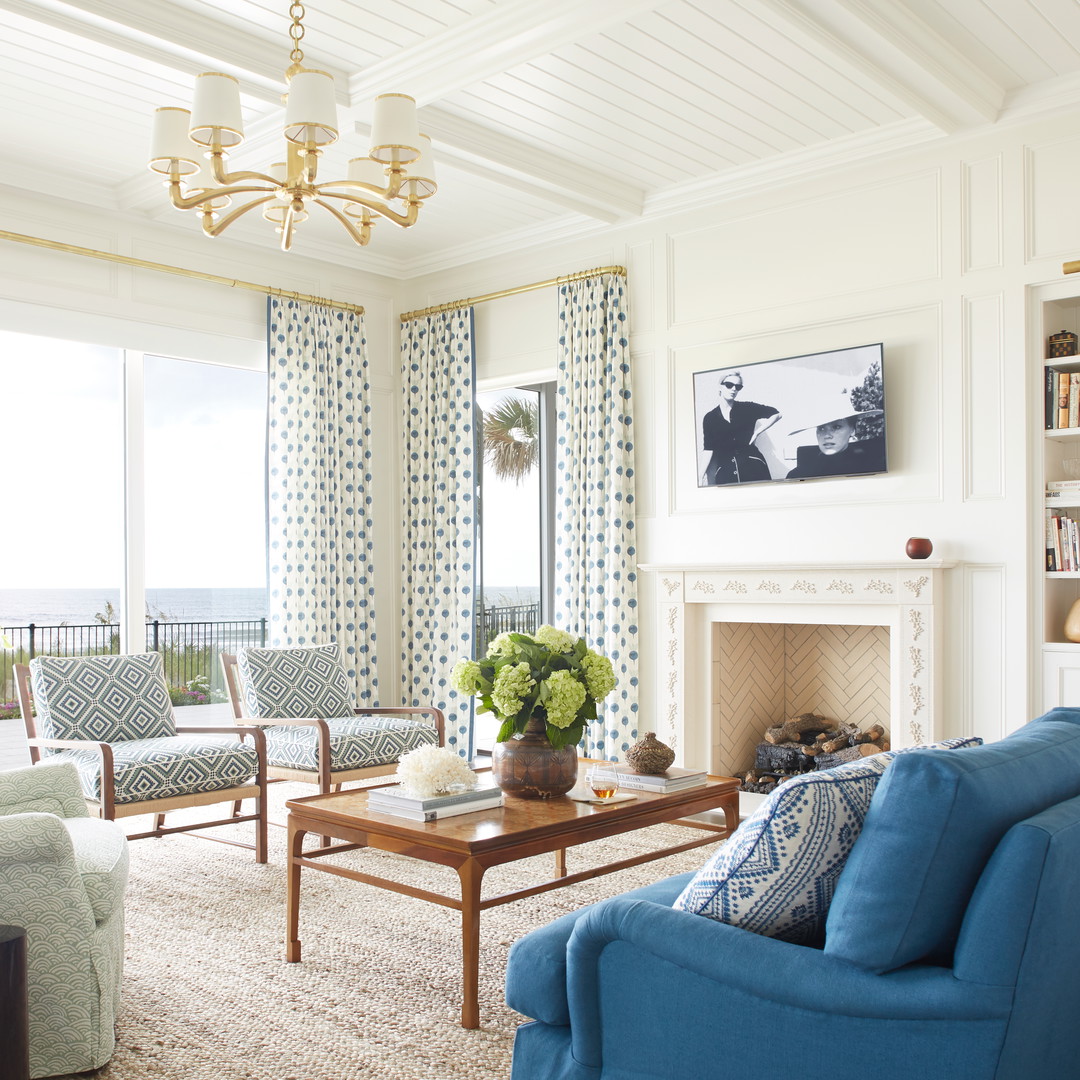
1056 309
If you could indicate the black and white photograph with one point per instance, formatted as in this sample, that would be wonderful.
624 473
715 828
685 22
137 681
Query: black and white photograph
806 417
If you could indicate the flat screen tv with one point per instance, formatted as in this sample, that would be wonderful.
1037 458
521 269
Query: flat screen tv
816 416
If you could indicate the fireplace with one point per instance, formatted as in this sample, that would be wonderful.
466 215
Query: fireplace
732 646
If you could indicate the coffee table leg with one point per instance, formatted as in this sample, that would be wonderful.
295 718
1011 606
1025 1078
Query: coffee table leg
560 862
471 875
292 895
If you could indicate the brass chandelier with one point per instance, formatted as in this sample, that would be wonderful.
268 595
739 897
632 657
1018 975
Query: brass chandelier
191 148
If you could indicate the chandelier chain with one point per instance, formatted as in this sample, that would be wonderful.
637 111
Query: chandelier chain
296 31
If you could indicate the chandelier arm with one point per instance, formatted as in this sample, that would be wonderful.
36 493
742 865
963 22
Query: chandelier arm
217 170
404 220
360 236
215 228
386 193
195 202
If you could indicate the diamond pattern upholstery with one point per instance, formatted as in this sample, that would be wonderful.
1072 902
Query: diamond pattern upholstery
102 698
295 682
354 744
164 768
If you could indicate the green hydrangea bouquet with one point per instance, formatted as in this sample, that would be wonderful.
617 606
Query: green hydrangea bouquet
550 674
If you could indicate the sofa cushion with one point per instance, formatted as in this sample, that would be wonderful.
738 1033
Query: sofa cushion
536 969
776 875
102 698
355 743
295 682
101 857
167 768
49 788
932 827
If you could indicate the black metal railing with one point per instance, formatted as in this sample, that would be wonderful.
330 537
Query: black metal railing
515 619
189 649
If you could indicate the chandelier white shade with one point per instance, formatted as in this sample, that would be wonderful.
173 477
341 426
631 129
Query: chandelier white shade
191 149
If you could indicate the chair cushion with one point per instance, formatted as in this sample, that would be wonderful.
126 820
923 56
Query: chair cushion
777 874
165 768
295 682
101 857
355 743
103 698
933 825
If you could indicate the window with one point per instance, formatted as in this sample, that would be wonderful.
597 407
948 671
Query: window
514 518
141 491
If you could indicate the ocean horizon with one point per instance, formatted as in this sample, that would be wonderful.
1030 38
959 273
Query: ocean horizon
82 607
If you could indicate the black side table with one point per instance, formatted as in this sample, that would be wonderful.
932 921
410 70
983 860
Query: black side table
14 1033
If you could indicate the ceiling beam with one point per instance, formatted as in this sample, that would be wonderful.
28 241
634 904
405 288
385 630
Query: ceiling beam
479 150
891 47
175 38
512 33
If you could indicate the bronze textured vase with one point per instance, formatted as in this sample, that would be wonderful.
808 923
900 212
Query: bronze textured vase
650 755
529 767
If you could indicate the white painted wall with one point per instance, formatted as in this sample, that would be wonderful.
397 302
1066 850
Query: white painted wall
931 254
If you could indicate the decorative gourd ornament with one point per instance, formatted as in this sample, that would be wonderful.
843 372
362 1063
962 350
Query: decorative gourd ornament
1072 623
649 755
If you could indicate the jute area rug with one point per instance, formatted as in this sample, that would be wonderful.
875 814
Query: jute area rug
208 995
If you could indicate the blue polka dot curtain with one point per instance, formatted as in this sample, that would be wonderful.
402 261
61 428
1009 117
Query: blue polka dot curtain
319 540
595 545
438 376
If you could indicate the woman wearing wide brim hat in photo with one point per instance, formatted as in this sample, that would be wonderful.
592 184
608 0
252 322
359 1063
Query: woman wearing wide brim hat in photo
729 434
838 452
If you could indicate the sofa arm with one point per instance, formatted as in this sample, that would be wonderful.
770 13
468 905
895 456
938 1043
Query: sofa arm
31 838
708 986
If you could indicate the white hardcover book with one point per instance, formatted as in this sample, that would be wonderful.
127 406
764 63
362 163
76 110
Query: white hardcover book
455 810
399 796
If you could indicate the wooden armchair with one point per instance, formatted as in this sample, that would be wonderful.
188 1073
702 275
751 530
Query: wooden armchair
315 733
111 717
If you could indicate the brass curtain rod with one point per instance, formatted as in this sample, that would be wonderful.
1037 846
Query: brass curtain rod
165 268
454 304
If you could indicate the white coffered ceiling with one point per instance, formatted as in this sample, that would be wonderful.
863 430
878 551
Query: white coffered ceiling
549 118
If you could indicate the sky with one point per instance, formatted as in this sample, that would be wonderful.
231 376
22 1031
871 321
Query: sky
64 445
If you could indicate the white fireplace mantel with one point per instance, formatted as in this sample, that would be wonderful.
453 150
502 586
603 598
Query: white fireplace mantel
905 597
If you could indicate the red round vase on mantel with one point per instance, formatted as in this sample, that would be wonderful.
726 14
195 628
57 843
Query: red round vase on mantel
918 547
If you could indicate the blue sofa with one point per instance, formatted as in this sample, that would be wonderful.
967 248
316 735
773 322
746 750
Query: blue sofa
952 949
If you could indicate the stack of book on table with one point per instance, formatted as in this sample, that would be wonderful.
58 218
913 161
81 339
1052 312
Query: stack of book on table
672 780
396 800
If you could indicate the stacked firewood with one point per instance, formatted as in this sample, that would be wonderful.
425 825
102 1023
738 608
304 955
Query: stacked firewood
808 742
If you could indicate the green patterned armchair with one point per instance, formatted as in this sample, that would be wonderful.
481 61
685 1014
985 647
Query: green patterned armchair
62 878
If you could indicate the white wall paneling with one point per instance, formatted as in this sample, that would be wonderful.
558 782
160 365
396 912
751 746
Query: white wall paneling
984 389
982 213
867 237
1053 211
985 664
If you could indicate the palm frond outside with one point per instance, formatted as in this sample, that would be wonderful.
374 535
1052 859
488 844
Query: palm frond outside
512 438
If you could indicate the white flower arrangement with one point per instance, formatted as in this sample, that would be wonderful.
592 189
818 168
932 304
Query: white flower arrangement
434 770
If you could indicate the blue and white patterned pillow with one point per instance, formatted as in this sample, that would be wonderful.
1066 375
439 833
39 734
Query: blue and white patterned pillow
102 698
776 875
295 682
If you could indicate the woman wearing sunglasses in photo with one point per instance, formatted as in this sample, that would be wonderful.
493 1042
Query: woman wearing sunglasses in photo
730 433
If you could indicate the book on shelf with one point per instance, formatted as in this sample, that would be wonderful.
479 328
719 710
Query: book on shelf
1062 400
1074 399
674 779
398 795
1051 563
1063 485
493 799
1050 419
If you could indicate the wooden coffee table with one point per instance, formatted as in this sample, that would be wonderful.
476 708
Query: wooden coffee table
472 843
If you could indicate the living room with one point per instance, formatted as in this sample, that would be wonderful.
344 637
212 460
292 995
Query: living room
940 233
